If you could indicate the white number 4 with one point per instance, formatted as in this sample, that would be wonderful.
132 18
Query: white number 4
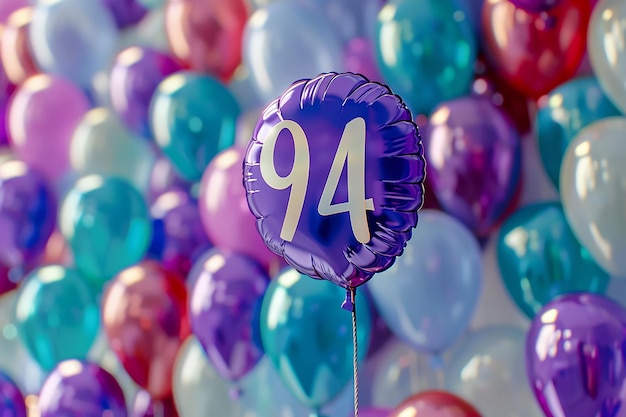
351 151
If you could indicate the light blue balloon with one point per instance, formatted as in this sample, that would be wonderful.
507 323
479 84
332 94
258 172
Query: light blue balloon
428 296
286 42
57 315
193 117
567 110
106 223
308 336
72 38
426 51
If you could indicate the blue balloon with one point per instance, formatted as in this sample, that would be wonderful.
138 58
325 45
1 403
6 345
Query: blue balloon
193 117
57 315
426 51
72 38
566 111
428 296
308 337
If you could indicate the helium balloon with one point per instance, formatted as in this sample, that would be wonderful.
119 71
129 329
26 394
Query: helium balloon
7 7
435 404
193 117
11 398
73 39
227 291
207 34
269 54
135 76
433 295
572 350
563 114
6 91
102 145
308 341
198 388
488 367
178 238
164 178
536 6
106 224
7 282
27 214
125 12
607 51
593 192
474 159
535 52
144 406
421 66
40 129
57 315
296 189
76 388
359 58
15 47
225 214
144 312
540 258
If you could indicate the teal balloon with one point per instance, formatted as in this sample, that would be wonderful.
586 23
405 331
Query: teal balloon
426 51
566 111
540 258
57 315
151 4
106 224
193 117
308 336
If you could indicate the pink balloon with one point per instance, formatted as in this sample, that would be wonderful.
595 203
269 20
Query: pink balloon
224 211
42 116
9 6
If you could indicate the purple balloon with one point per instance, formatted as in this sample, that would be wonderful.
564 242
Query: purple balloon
135 76
226 294
9 6
165 178
81 389
27 214
6 90
178 237
145 406
359 57
575 355
12 402
536 6
474 161
125 12
300 215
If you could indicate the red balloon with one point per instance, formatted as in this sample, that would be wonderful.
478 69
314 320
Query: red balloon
144 314
535 52
435 404
207 34
15 52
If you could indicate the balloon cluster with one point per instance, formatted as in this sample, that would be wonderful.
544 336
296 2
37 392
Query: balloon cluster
174 172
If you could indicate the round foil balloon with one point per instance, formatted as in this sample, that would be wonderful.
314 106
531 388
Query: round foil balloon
342 225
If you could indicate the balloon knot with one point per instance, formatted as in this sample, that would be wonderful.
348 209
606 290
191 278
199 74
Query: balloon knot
235 393
348 303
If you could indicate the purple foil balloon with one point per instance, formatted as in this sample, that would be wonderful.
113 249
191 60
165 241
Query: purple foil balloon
125 12
27 214
536 6
81 389
227 292
11 399
575 357
342 225
135 76
474 161
178 237
359 57
144 406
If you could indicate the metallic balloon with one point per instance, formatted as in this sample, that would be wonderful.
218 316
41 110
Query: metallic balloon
57 315
296 188
607 51
488 368
145 406
15 53
474 161
593 192
574 354
6 91
435 404
536 6
540 258
164 178
144 313
223 310
125 12
11 399
77 389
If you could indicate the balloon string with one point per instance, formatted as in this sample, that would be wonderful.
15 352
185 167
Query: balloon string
355 358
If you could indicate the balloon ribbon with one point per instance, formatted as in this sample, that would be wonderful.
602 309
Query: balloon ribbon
350 305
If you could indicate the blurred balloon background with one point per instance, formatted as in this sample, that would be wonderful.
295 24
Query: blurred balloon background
134 281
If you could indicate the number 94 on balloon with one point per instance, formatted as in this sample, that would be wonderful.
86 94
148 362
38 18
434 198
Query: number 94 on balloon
334 174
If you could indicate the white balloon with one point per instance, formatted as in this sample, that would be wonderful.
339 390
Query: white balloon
607 49
593 191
